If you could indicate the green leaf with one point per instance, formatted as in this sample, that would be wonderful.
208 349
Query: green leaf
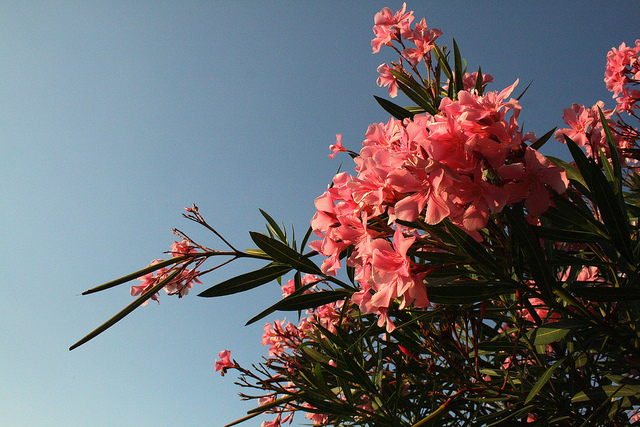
475 250
128 309
606 294
274 226
442 61
549 334
455 293
246 281
613 151
543 139
606 392
496 346
610 206
479 80
458 70
532 251
525 90
567 235
572 173
395 110
298 301
284 254
543 380
305 239
137 274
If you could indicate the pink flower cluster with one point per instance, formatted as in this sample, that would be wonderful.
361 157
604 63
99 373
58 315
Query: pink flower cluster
180 285
465 163
585 129
623 68
283 335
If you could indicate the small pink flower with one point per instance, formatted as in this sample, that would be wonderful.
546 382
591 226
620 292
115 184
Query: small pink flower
225 362
337 147
181 248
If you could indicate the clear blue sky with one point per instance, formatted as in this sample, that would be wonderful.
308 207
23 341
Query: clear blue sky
116 115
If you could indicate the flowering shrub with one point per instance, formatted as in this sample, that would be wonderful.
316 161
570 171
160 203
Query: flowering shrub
465 278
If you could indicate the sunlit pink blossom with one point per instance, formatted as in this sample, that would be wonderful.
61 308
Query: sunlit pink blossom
224 362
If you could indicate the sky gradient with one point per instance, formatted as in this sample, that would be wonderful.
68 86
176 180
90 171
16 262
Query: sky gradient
117 115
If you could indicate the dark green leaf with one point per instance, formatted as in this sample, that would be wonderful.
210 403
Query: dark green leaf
606 293
139 273
128 309
479 82
395 110
543 139
543 380
532 251
284 254
567 235
525 90
573 174
477 252
548 334
458 70
246 281
443 62
613 152
606 392
273 226
298 301
467 293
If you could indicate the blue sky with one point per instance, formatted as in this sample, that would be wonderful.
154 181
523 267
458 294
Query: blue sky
114 116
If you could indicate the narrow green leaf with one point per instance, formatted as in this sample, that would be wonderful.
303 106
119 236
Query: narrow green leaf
458 70
409 82
274 226
606 293
306 239
572 173
298 301
315 354
532 251
549 334
475 250
496 346
467 293
543 380
246 281
444 63
128 309
606 392
284 254
395 110
525 90
613 151
137 274
479 82
567 235
312 300
538 143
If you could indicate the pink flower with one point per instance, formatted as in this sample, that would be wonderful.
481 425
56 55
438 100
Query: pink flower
337 147
148 281
387 79
181 248
389 27
225 362
274 423
423 38
317 419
